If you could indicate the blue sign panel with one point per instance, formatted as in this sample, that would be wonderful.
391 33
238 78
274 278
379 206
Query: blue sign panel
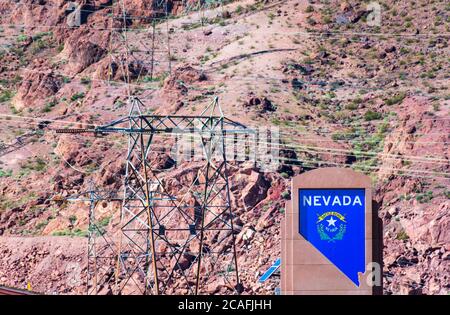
333 221
270 271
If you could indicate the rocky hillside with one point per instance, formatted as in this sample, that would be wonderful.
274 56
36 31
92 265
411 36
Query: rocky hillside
343 89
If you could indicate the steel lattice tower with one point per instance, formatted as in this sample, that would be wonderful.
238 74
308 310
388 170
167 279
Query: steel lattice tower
102 251
176 223
185 236
150 59
177 232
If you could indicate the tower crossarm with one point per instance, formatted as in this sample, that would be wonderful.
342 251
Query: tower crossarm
154 124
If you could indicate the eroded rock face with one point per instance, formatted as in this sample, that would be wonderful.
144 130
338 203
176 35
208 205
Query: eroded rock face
415 212
35 88
67 148
84 48
255 190
45 266
185 74
175 87
31 12
85 54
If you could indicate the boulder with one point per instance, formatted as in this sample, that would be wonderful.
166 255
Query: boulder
35 88
256 190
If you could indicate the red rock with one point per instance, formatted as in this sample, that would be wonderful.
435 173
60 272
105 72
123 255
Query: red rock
255 191
37 85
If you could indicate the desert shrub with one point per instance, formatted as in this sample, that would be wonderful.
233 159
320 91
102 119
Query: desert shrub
309 9
85 80
402 235
49 105
6 95
398 98
425 197
77 96
73 219
286 194
371 115
5 173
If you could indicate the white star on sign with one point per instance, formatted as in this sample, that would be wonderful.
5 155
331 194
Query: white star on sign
331 221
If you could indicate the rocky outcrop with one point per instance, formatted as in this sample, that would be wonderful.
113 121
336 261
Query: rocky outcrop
84 54
415 211
182 76
84 47
263 103
255 190
176 86
36 87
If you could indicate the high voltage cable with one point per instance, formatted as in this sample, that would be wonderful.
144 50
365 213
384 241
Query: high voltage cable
319 131
355 153
99 125
322 35
201 7
48 119
407 172
372 153
332 88
17 117
325 150
359 139
80 79
336 83
101 7
7 128
331 153
309 84
412 173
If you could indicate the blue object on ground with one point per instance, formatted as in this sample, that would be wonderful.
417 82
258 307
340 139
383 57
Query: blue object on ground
270 271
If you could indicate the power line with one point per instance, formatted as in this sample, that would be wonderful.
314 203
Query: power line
7 116
333 88
96 9
368 153
294 161
235 78
290 161
253 126
326 150
322 35
341 151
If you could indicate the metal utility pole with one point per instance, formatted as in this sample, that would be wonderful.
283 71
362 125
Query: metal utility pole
176 222
131 62
102 252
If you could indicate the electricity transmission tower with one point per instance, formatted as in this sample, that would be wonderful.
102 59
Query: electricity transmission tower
176 223
102 251
147 58
177 231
